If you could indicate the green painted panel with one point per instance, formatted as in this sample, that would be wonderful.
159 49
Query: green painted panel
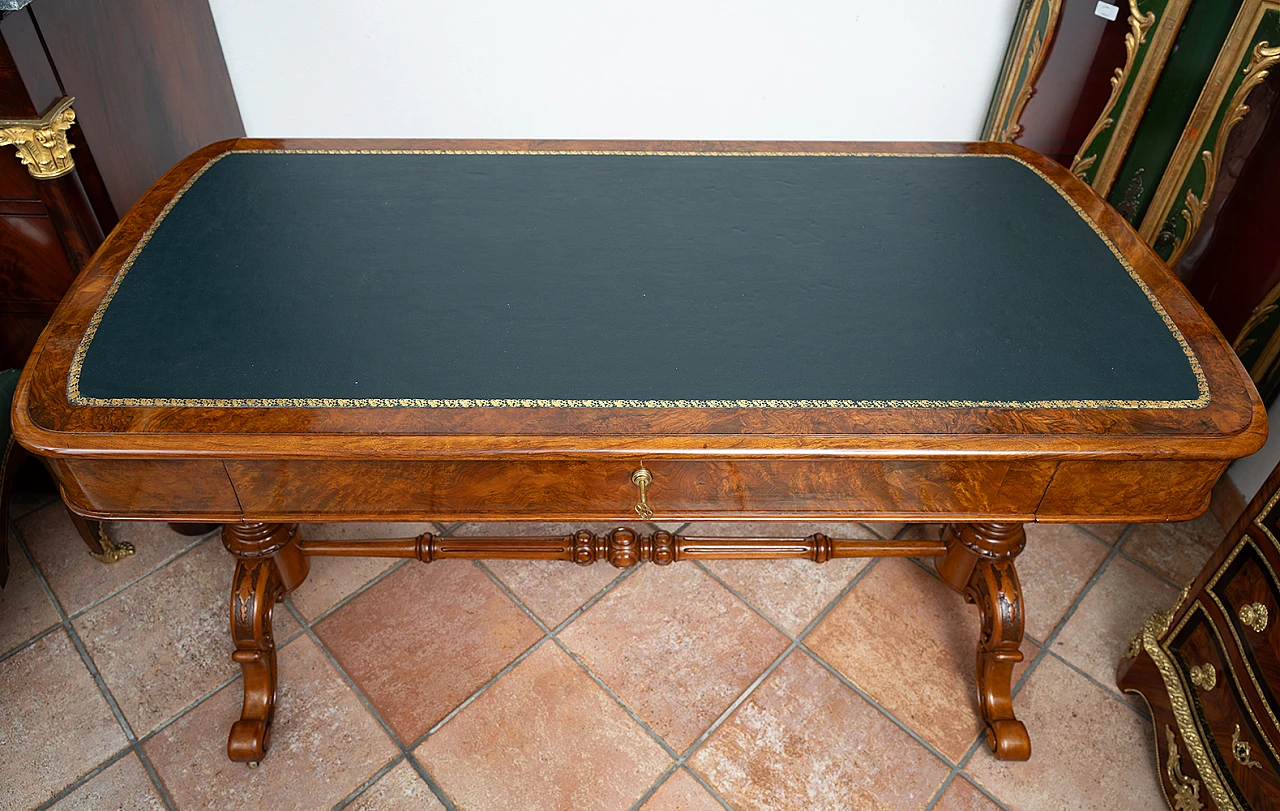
1021 66
1190 62
1267 379
1175 225
1102 141
991 127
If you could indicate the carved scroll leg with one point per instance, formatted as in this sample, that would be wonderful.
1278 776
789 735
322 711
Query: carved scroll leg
979 562
253 596
269 564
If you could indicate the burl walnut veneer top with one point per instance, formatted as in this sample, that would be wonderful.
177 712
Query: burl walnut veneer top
458 297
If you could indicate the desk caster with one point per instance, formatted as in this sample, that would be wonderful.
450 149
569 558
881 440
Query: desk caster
248 742
1008 739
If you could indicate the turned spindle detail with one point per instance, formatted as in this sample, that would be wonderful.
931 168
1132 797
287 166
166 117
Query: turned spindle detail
622 547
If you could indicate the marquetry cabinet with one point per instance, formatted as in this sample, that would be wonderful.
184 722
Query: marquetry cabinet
1209 669
98 98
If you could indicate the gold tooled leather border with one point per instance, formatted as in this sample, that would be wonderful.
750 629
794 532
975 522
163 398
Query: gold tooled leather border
76 398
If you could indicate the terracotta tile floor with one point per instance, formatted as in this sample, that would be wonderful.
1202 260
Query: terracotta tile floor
542 686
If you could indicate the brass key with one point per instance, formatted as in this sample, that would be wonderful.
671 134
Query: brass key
642 479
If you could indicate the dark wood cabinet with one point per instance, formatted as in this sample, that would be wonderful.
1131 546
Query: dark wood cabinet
149 85
1209 669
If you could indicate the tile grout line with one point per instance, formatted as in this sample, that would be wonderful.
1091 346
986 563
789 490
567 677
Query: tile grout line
790 637
366 785
432 786
657 784
406 755
94 772
682 760
1112 693
942 789
196 543
377 578
957 771
21 646
155 776
1045 650
666 775
49 499
1081 527
565 648
368 705
1146 568
513 663
1052 638
406 750
480 691
797 642
678 759
751 688
81 612
844 679
370 583
668 748
847 682
793 637
142 741
202 699
956 768
715 795
963 765
577 612
65 623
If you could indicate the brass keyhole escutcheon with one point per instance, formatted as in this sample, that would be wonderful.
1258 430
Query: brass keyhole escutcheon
1243 751
642 479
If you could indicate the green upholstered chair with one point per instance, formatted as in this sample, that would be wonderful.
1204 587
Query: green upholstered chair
93 532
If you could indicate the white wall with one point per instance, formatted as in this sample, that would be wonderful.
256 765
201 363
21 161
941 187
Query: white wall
806 69
1249 473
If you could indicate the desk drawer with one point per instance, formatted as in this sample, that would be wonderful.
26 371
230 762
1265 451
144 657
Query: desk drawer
1227 722
602 490
1246 586
532 488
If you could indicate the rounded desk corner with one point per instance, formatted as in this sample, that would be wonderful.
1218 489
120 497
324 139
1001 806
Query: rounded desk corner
25 430
1255 435
1252 435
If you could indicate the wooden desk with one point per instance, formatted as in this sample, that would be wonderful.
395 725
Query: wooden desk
286 331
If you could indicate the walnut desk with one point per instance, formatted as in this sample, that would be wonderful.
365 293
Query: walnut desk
286 331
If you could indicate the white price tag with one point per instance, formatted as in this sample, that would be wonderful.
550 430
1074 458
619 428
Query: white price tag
1106 10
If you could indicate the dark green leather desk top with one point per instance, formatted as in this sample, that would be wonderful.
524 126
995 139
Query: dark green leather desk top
299 278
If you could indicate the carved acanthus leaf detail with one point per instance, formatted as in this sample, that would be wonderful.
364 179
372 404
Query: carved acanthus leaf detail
42 143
